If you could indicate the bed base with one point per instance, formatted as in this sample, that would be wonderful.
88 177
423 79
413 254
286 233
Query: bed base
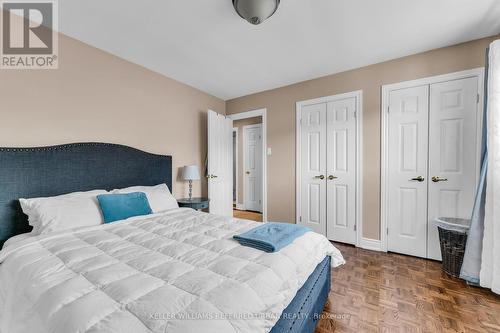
303 313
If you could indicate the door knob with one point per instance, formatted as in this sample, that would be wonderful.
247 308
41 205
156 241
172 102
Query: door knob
418 179
248 172
320 177
331 177
436 179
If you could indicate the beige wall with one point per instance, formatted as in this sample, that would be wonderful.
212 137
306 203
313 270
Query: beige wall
239 124
94 96
280 104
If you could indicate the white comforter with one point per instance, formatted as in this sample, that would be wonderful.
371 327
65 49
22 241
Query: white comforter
174 272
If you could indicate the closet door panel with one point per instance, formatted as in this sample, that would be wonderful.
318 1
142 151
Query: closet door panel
313 167
452 153
407 170
341 170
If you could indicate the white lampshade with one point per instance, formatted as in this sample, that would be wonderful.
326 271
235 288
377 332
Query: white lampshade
190 172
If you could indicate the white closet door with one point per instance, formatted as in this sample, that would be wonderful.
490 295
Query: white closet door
220 157
252 141
452 154
341 171
313 167
407 170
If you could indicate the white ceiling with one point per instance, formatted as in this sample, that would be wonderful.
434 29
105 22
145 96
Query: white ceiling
205 44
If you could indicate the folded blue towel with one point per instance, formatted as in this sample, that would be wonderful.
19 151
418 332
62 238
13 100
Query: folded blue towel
271 237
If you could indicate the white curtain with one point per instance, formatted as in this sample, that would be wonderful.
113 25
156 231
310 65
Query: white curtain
490 263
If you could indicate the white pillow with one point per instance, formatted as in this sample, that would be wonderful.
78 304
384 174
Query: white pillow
62 212
159 197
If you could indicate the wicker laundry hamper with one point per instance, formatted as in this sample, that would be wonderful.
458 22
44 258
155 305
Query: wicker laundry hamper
452 238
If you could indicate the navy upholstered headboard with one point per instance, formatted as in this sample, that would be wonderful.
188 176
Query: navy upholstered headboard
49 171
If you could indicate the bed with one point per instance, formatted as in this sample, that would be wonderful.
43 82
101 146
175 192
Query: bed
175 271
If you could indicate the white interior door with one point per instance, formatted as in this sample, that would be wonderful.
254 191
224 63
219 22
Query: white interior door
252 145
313 167
220 159
407 170
452 153
341 170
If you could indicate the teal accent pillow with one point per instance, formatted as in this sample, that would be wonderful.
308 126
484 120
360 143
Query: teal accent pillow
116 207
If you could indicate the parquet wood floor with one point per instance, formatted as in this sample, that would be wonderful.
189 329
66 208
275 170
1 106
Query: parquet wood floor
386 292
247 215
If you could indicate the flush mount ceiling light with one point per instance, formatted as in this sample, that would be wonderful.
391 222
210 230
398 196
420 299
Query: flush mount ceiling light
256 11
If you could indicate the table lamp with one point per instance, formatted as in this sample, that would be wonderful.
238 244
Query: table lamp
190 173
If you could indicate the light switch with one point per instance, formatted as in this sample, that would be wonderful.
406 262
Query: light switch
269 152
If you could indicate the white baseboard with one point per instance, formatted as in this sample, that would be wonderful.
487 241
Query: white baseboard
240 206
370 244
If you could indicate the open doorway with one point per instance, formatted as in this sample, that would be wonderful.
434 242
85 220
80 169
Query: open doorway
235 166
249 155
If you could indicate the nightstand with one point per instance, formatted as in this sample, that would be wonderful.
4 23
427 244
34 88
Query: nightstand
194 203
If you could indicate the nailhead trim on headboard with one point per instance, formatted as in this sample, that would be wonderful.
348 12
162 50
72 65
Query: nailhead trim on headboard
65 147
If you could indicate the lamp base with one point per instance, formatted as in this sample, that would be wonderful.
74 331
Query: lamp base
190 190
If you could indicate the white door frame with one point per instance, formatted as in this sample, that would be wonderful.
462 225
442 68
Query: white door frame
244 160
251 114
386 89
359 156
235 157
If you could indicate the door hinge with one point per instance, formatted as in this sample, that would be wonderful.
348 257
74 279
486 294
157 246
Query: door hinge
387 231
388 108
478 98
300 218
355 227
355 114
